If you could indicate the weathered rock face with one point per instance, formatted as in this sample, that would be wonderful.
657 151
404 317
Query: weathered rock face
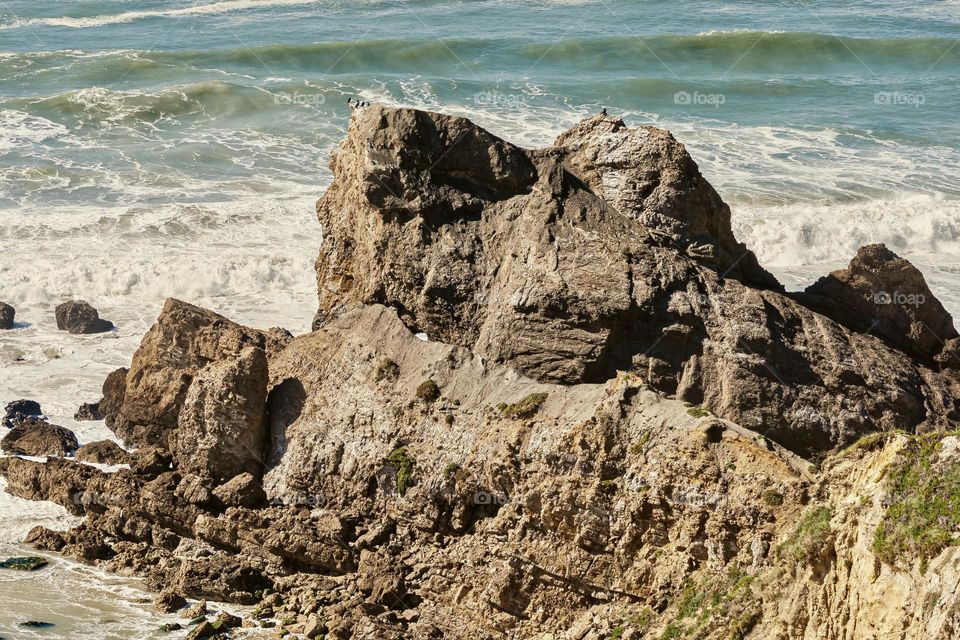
7 314
79 317
883 294
611 254
184 340
222 428
36 437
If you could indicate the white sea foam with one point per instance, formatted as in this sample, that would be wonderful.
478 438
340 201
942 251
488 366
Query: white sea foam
227 6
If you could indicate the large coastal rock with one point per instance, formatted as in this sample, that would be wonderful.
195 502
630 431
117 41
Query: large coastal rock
607 252
537 468
222 429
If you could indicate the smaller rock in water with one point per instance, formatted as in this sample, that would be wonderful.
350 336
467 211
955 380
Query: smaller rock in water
36 437
88 411
7 314
103 452
27 563
198 610
78 317
169 601
19 410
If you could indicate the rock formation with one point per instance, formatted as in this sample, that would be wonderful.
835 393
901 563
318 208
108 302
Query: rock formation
35 436
607 252
79 317
7 314
103 452
19 410
620 426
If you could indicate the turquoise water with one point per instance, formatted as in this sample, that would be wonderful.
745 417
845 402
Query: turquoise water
154 148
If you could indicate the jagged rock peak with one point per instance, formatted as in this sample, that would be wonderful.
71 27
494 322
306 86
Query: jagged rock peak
881 293
526 257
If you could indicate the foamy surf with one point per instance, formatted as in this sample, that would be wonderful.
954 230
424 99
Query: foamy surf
212 8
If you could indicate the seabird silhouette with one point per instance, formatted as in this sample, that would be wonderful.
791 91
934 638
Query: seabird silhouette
604 112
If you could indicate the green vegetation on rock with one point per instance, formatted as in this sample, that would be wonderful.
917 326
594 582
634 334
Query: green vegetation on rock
403 463
526 408
428 391
806 543
28 563
698 412
387 370
923 512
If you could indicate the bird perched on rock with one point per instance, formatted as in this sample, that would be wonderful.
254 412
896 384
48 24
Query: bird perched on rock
604 112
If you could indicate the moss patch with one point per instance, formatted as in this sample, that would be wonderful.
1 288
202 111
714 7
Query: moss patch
403 463
716 606
923 512
698 412
526 408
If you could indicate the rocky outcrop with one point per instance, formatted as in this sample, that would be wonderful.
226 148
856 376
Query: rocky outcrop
882 294
7 314
620 426
19 410
607 252
184 340
79 317
36 437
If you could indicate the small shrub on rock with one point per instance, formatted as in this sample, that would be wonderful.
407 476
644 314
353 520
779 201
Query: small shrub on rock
387 370
403 464
428 391
526 408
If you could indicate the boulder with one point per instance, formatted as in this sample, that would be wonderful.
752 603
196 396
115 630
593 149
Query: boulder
184 340
88 411
222 429
243 490
150 462
195 490
79 317
103 452
169 601
7 314
880 293
17 410
36 437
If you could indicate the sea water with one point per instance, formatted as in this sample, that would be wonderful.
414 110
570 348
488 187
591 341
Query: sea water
155 148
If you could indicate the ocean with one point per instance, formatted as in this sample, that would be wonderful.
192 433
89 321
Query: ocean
155 148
